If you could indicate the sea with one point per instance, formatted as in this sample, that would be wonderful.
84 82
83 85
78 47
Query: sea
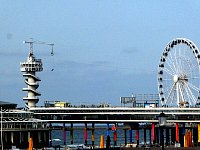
78 136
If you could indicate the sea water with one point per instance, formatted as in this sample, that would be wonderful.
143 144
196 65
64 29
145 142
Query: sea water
78 136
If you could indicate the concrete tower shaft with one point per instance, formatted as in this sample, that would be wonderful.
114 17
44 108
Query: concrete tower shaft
29 69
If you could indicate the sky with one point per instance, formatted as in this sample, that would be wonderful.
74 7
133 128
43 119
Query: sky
104 49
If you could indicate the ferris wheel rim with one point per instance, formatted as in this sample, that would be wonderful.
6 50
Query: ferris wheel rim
175 79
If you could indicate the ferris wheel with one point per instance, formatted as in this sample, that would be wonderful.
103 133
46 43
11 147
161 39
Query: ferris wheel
179 74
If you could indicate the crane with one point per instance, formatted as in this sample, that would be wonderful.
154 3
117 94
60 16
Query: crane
31 42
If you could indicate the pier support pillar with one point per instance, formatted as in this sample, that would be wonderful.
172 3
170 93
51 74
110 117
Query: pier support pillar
39 136
198 134
157 135
181 135
71 134
12 138
8 144
173 135
195 136
153 133
29 135
16 139
44 138
162 141
64 135
35 138
114 129
115 137
131 135
108 136
177 133
85 134
93 138
125 137
167 136
137 136
50 135
150 136
108 130
24 140
145 135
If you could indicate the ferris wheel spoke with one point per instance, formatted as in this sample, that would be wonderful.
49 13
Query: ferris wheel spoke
177 93
180 63
194 64
172 62
167 79
170 91
173 97
188 94
194 67
193 87
191 95
191 68
181 97
171 68
176 61
170 100
171 65
193 77
168 71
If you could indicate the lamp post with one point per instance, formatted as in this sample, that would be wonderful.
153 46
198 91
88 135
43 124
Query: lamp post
162 122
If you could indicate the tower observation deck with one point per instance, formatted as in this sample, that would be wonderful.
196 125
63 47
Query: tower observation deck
29 69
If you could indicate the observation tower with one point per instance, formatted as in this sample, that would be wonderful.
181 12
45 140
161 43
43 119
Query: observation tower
29 69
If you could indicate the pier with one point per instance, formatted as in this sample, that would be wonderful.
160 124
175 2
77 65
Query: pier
180 122
169 119
17 126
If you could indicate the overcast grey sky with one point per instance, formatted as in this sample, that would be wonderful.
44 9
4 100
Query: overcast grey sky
104 49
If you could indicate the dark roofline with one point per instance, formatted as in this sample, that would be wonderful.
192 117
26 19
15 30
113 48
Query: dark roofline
7 105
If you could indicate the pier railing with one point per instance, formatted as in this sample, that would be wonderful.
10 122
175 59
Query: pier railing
114 114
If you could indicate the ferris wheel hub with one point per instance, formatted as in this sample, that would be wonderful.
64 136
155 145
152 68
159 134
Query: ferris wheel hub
175 78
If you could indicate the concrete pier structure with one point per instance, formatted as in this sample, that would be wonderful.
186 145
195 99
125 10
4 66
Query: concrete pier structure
17 126
173 131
